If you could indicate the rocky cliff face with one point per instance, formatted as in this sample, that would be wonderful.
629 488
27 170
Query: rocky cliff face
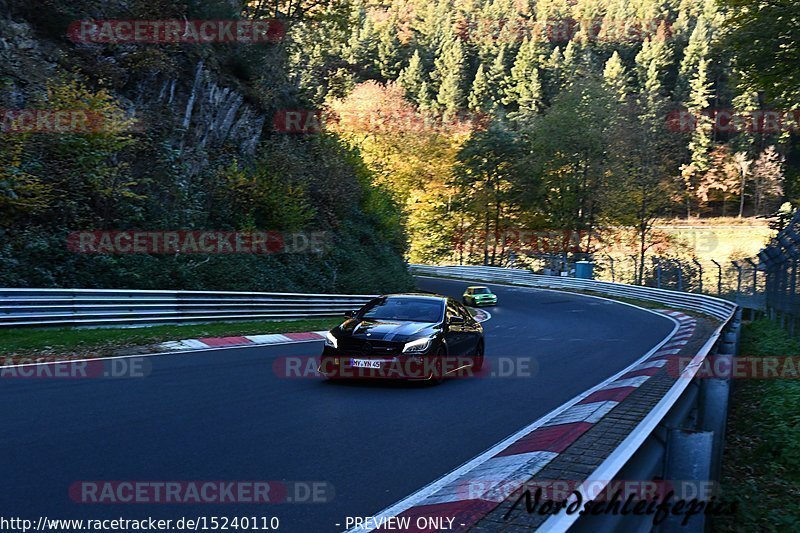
198 155
175 92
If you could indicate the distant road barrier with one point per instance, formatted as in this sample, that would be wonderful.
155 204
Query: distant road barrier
96 307
709 305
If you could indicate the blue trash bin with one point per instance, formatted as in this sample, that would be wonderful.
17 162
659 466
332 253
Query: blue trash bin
584 270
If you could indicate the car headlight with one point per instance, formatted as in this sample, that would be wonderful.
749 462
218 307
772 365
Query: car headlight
331 341
418 346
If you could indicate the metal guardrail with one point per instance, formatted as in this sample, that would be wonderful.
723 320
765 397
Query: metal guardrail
682 437
715 307
95 307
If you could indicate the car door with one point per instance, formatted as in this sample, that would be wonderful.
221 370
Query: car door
455 335
471 331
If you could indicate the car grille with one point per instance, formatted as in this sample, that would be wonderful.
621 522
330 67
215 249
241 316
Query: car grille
370 347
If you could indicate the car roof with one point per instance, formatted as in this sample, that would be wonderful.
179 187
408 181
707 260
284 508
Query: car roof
430 295
477 287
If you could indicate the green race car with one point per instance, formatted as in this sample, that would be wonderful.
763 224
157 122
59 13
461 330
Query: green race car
478 295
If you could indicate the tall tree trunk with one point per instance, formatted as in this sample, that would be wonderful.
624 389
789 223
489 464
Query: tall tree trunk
741 196
496 225
486 237
642 237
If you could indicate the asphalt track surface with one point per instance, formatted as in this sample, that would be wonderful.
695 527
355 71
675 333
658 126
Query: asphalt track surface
225 415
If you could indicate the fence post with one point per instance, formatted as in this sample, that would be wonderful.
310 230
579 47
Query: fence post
680 274
611 261
719 277
658 272
755 273
793 289
738 278
700 268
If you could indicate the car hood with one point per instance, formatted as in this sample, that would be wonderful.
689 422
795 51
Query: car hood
387 330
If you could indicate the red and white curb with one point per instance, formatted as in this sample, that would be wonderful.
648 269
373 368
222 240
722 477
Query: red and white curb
470 492
246 340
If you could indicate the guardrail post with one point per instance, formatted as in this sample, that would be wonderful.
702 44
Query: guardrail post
688 460
715 392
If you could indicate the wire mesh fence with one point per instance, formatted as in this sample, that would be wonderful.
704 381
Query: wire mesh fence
742 281
767 282
778 263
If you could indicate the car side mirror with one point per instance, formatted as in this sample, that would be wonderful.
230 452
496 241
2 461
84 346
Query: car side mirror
350 313
456 321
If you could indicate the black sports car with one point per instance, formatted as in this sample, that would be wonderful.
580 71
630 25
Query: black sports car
405 336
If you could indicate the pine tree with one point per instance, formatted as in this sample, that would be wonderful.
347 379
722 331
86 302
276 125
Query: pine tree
572 54
652 101
654 50
434 26
700 142
699 101
744 104
555 73
450 70
479 97
361 47
695 52
389 59
616 77
525 89
497 78
412 77
423 97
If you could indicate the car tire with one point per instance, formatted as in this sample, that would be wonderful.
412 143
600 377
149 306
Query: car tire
477 360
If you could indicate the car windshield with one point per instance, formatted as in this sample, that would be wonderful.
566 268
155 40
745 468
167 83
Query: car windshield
482 290
411 309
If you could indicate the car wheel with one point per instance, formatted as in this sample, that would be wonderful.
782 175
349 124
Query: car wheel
477 359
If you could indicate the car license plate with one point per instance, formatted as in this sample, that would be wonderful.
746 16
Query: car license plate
365 363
